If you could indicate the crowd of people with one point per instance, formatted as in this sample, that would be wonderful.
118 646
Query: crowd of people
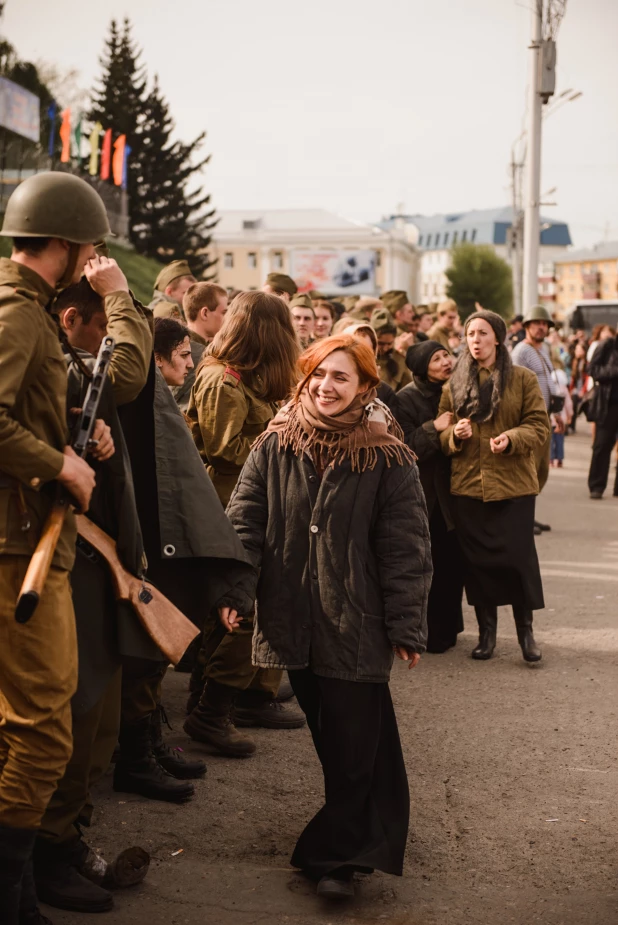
312 483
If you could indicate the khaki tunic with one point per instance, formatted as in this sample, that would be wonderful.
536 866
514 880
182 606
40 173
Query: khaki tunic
163 306
225 417
403 375
33 424
437 333
477 472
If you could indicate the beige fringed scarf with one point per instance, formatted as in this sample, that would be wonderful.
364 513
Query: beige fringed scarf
357 434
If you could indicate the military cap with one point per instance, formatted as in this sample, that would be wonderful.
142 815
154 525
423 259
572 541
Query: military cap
394 300
282 282
381 318
301 300
538 313
172 271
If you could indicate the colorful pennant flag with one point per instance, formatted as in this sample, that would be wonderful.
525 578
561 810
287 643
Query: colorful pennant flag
77 138
65 135
125 168
93 167
106 154
118 159
51 112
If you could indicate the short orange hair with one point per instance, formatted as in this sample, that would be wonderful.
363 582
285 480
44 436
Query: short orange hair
363 358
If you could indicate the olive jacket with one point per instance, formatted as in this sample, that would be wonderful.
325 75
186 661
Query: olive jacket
436 332
345 562
225 417
477 472
396 380
162 306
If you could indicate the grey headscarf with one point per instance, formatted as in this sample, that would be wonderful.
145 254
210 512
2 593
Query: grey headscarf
471 400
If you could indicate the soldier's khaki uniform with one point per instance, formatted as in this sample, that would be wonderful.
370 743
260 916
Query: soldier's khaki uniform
38 660
226 416
162 306
436 332
402 376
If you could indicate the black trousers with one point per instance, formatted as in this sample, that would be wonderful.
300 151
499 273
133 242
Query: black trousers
363 824
604 442
444 612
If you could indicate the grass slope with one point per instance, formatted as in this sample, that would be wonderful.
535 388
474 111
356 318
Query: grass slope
141 272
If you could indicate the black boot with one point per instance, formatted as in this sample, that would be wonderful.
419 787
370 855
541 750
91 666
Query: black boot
211 722
137 769
171 759
15 853
488 623
59 882
29 912
285 691
196 687
254 708
523 622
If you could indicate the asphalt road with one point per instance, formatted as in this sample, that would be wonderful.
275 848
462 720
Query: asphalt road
512 771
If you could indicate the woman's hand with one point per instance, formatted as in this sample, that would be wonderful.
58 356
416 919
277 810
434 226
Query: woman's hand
403 341
229 617
101 444
499 444
407 655
463 429
443 421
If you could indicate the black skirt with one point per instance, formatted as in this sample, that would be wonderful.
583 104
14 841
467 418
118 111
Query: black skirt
444 613
363 824
497 543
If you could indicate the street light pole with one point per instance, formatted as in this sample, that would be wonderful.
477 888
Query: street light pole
533 164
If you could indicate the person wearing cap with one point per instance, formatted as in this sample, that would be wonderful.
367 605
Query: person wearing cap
446 324
499 422
281 285
391 365
54 219
170 287
533 353
402 310
303 319
417 413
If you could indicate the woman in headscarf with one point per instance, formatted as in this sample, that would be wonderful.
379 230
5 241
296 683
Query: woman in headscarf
499 420
417 413
330 509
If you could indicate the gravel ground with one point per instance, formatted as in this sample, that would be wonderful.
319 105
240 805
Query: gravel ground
512 771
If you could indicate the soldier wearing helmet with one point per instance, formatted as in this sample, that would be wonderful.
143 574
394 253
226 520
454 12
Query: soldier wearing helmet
54 219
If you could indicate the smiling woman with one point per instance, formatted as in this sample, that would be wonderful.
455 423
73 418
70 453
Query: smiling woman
330 510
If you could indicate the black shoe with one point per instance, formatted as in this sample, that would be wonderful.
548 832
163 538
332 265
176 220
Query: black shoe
285 691
138 771
29 912
15 857
542 527
171 759
333 888
596 495
61 885
269 714
523 623
487 618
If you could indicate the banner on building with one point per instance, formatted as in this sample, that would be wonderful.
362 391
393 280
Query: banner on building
20 110
334 272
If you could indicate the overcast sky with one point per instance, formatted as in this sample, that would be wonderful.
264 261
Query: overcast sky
358 105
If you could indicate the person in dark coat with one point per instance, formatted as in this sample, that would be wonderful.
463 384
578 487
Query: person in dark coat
329 507
417 412
604 412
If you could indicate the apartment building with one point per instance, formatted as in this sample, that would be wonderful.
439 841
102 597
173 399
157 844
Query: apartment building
587 274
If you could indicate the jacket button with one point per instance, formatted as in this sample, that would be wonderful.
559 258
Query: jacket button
169 550
314 529
312 478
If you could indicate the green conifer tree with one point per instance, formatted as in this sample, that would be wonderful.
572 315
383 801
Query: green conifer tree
478 274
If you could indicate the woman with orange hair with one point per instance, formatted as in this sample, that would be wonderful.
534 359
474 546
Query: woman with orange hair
330 510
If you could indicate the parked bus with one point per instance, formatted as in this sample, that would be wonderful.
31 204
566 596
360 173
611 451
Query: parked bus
585 314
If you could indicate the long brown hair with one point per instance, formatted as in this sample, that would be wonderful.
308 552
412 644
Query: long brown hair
258 341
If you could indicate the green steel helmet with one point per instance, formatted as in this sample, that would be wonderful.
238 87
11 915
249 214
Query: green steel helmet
55 204
538 313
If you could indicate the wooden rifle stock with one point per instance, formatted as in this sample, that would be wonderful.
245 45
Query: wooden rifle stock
164 623
40 563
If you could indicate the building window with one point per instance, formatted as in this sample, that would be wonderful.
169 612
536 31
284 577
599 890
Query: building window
420 240
454 237
572 269
228 261
594 268
571 288
378 258
473 235
446 238
437 240
277 260
252 260
464 236
428 241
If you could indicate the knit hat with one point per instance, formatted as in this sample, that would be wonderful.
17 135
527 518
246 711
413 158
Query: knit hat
301 300
172 271
419 355
381 318
282 282
394 300
497 323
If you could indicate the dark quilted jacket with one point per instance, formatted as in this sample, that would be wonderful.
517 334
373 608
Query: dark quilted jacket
345 562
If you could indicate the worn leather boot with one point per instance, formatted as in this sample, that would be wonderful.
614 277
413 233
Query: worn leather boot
211 722
15 853
172 760
523 622
487 618
254 708
59 882
29 912
138 771
285 692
